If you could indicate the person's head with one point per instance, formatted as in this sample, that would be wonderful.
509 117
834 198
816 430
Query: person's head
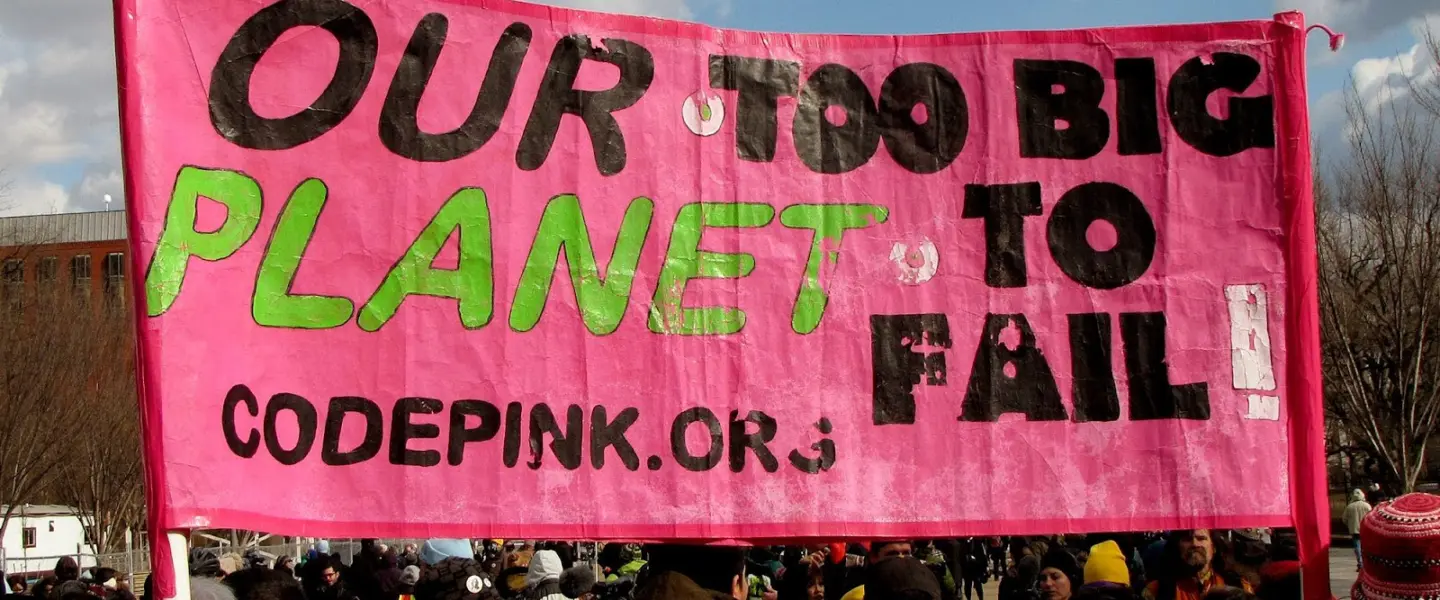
330 572
1107 564
883 550
900 578
577 582
1059 575
1357 495
16 584
44 586
715 568
209 588
105 578
815 582
66 569
1195 549
286 564
264 584
544 566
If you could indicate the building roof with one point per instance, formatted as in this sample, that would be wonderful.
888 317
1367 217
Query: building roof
62 228
42 510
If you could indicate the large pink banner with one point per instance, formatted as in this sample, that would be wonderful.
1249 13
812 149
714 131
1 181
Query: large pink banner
483 268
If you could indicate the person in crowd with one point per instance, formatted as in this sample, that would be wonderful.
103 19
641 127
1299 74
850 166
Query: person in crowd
1020 578
456 578
66 569
632 560
332 585
694 573
975 566
257 583
410 556
1060 575
578 583
997 556
44 587
1188 568
901 578
286 565
1247 554
1354 513
387 576
209 588
16 584
542 580
878 551
934 559
1107 574
73 589
409 577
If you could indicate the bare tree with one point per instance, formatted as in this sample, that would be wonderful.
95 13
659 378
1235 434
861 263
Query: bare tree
1428 96
1379 246
47 343
100 476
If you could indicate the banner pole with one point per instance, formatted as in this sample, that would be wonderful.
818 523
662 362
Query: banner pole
180 561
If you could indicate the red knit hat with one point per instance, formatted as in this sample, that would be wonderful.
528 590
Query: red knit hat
1400 542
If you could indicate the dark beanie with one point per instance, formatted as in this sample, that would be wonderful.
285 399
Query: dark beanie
900 577
577 581
1064 562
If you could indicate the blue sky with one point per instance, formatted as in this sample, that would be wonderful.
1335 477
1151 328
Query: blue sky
59 147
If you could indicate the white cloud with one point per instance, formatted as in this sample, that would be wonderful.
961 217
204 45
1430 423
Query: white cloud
58 107
58 104
30 197
1391 79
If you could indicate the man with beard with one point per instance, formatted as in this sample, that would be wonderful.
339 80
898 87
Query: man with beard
1188 571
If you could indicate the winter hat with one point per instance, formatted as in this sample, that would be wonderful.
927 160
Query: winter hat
437 550
454 579
577 581
1106 564
410 575
901 577
203 563
322 546
1064 562
1401 545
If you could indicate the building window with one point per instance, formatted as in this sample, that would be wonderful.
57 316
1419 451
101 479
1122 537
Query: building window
114 269
80 274
47 271
28 535
13 274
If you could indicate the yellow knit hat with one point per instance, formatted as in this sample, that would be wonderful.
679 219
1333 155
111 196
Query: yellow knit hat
1107 563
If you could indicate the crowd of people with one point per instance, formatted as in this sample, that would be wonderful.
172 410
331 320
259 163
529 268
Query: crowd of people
1398 564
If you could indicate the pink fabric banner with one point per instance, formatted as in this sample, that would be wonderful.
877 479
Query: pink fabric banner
486 268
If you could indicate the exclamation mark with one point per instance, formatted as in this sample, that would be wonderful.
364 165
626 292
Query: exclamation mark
1250 360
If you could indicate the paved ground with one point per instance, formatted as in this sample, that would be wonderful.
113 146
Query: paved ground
1342 571
1342 575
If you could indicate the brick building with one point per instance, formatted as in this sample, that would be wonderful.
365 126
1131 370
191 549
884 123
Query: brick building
82 253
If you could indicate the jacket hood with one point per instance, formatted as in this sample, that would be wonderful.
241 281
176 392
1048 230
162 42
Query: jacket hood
675 586
1357 496
544 566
